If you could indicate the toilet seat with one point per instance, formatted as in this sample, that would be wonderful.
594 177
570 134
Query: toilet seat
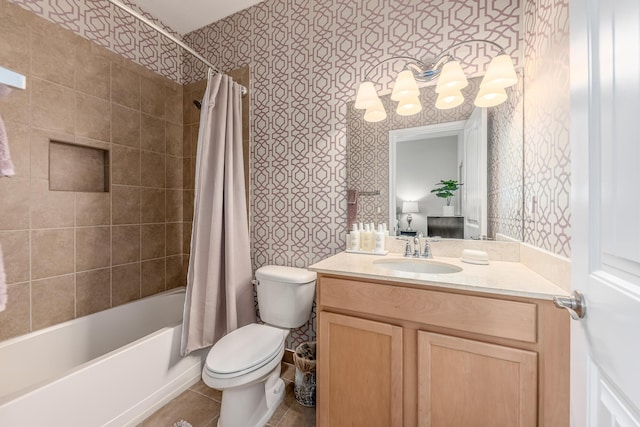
244 350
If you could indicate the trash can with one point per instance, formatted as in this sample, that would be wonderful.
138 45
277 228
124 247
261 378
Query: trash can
304 385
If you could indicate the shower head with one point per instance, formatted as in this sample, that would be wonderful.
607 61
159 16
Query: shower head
197 103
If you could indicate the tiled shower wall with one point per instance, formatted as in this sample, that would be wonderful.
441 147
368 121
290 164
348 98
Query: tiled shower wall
68 254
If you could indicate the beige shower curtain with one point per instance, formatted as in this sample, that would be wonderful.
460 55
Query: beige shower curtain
219 291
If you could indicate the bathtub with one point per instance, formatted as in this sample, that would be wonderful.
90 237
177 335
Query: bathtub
112 368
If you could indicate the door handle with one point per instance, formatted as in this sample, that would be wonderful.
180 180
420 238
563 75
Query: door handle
574 304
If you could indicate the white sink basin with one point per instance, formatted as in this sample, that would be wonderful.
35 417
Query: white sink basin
417 266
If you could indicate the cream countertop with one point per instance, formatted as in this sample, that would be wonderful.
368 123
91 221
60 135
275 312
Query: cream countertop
499 277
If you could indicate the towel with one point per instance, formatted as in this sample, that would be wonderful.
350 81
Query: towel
352 207
6 166
3 284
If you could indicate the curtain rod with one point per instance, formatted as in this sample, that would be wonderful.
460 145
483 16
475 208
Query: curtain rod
170 36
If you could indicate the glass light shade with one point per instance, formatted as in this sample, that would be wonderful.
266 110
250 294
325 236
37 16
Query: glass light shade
409 106
375 113
367 96
500 73
488 97
410 207
405 86
449 99
451 77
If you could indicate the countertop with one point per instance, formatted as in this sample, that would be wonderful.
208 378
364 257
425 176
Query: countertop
499 277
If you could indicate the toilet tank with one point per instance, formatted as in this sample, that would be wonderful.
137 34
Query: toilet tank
285 295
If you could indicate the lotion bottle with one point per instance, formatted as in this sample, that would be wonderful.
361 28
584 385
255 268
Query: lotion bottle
355 238
365 243
380 236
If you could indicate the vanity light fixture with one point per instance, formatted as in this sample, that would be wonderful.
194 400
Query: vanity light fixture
451 80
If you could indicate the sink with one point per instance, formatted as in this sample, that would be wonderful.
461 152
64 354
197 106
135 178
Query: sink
417 266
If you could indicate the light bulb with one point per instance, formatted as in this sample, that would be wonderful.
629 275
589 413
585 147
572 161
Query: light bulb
488 97
409 106
500 73
451 77
367 96
375 113
449 99
405 86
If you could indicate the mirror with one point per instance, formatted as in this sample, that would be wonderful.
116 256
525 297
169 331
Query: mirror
374 166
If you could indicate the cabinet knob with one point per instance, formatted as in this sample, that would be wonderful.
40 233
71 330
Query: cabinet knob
574 304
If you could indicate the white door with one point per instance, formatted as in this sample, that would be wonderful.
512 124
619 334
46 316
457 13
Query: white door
474 207
605 145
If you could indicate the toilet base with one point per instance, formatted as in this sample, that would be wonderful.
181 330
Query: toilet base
263 396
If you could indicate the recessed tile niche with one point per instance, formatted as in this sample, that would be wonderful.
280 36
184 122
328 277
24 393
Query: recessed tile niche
75 167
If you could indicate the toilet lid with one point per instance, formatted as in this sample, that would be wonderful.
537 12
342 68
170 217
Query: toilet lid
251 346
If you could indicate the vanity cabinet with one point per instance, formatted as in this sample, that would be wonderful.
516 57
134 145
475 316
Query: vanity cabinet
397 354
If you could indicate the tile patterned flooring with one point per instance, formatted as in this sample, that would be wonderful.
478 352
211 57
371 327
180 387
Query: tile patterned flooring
200 406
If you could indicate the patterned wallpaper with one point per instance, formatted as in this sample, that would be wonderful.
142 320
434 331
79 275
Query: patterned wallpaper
109 26
547 152
307 58
505 165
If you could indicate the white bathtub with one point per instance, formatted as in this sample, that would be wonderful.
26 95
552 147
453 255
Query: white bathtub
112 368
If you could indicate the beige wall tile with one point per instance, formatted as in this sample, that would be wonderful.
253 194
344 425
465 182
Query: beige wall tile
51 252
193 135
153 169
174 205
52 301
125 244
173 103
93 71
14 209
125 165
50 209
187 212
40 150
152 134
78 167
186 237
153 205
15 249
125 126
14 42
174 172
15 107
125 86
52 106
92 117
173 139
187 177
16 318
52 53
153 277
93 291
18 137
125 203
186 141
175 275
173 239
152 241
125 283
92 248
93 209
152 96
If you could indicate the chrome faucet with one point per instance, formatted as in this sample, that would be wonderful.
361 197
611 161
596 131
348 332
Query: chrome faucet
427 250
416 246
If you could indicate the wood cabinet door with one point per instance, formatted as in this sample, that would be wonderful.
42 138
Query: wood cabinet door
474 384
359 372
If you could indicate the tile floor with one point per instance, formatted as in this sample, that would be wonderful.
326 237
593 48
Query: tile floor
200 406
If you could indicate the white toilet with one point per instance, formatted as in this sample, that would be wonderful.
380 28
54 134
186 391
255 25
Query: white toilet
245 364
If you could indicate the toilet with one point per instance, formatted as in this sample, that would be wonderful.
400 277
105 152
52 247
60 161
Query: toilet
245 364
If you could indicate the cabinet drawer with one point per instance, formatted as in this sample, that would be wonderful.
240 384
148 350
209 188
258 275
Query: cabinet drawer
487 316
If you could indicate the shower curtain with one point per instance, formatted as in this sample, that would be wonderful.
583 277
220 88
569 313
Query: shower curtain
219 295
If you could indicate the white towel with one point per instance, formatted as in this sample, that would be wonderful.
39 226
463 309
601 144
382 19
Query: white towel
6 165
3 284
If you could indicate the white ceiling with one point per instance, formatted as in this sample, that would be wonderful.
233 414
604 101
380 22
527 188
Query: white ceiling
185 16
